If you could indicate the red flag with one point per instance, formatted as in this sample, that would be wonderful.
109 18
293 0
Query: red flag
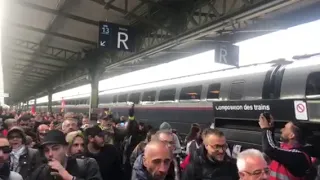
63 103
33 110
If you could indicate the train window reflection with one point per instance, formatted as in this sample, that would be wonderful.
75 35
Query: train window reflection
167 95
192 92
122 98
149 96
313 84
213 91
236 91
114 98
134 97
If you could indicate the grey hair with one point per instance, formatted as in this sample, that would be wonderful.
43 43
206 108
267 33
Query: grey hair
244 155
156 136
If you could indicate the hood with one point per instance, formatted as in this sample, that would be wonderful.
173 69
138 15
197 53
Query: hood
20 131
138 170
165 126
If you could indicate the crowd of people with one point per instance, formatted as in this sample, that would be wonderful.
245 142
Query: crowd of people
45 146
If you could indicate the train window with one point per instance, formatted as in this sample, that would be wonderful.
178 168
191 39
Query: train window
114 98
149 96
192 92
134 97
105 99
236 91
213 91
313 84
122 98
167 95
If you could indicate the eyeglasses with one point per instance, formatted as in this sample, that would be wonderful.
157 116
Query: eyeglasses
218 147
259 172
6 149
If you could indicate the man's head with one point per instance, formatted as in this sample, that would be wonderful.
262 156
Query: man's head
10 123
95 136
157 159
24 121
16 137
293 132
55 146
5 150
85 120
165 136
70 125
252 165
42 131
76 143
107 122
215 143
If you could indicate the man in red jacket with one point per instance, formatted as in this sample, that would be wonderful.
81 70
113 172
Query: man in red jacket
289 161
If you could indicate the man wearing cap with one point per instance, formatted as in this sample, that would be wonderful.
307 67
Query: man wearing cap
289 161
23 160
106 155
59 166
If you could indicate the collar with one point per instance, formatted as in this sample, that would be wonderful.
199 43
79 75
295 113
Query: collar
289 146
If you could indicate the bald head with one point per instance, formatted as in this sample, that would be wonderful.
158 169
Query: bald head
157 159
43 128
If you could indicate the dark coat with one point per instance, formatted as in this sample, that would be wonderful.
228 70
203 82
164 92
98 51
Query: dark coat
201 168
81 169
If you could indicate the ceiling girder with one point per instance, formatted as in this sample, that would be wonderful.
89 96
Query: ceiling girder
63 36
39 54
27 75
37 62
56 12
37 70
55 52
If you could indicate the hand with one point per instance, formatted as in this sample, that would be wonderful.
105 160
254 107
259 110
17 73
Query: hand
264 123
56 165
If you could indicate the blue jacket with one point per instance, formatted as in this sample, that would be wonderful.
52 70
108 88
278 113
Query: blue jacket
138 170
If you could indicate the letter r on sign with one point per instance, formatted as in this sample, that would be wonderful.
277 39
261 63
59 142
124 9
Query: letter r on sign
122 38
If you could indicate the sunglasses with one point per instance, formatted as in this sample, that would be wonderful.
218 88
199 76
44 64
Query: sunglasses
6 149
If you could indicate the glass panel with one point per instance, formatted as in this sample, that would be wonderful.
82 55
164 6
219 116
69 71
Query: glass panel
167 95
192 92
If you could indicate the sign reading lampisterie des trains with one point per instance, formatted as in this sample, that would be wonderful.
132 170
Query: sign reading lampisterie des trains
280 109
115 36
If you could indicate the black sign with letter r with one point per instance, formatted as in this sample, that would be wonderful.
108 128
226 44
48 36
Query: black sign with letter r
115 36
226 53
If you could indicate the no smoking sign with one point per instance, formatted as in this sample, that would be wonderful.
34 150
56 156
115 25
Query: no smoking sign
300 108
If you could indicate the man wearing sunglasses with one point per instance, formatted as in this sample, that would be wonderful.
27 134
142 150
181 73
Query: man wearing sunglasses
5 172
210 160
252 165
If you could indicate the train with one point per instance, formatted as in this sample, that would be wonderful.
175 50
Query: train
189 99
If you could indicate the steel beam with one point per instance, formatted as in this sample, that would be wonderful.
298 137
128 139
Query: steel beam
27 75
38 54
54 52
199 27
37 62
37 70
140 18
56 12
63 36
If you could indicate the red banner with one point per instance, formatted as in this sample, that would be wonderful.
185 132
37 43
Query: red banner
63 103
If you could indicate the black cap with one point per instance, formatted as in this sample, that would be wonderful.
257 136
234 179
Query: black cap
54 137
94 131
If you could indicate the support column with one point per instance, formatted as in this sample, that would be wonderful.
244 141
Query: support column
35 103
94 98
50 100
27 105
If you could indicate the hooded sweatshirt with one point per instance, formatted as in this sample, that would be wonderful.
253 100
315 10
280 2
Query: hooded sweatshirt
167 126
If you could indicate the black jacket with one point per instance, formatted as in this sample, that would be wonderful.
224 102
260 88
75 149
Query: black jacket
294 160
29 160
201 168
81 169
109 162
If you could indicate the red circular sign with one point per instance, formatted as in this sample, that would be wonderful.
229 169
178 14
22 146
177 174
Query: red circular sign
300 108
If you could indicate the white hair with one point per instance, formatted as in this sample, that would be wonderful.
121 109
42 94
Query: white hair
244 155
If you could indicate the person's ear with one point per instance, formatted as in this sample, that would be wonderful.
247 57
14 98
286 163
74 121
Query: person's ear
144 160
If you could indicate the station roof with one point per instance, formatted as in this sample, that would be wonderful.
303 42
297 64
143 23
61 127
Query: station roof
46 44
